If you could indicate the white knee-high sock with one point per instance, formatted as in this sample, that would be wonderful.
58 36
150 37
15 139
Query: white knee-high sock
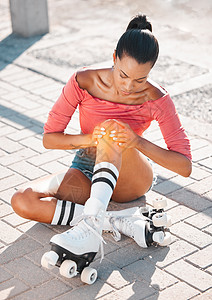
103 183
66 212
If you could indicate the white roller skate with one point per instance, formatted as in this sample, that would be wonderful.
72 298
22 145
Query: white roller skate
76 248
145 225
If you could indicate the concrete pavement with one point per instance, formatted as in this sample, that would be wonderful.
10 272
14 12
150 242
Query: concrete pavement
32 74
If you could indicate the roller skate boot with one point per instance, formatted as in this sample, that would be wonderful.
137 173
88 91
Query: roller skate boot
76 248
145 225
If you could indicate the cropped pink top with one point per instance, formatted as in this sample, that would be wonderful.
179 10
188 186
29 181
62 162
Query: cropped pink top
93 111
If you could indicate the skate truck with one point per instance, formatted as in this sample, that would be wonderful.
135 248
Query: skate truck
146 225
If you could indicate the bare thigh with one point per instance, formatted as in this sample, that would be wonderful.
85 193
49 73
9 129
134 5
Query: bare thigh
135 177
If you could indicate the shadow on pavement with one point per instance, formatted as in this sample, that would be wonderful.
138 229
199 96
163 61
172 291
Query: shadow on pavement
13 46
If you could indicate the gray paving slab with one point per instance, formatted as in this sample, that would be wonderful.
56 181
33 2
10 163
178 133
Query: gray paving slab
33 72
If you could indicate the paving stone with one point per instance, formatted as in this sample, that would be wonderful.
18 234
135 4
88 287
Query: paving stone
190 199
197 278
28 170
208 195
6 130
34 144
201 220
8 234
4 275
11 181
18 249
191 234
14 220
179 291
208 230
23 269
47 291
46 157
135 291
25 133
54 167
7 160
202 258
9 146
129 254
197 143
11 288
5 209
209 270
201 186
112 275
172 185
150 273
40 233
7 194
205 296
198 173
180 213
206 162
202 153
167 255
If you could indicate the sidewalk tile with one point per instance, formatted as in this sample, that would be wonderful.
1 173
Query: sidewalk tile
150 273
7 160
26 271
179 291
4 275
198 173
11 288
47 291
206 162
25 133
190 199
34 144
8 234
197 278
138 290
180 213
167 255
11 181
205 296
46 157
5 209
14 220
202 258
201 186
191 234
27 170
18 249
9 146
201 220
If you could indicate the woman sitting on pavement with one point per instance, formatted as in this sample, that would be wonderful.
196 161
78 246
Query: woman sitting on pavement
116 105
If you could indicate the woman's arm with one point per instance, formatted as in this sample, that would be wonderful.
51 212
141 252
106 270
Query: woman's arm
168 159
59 140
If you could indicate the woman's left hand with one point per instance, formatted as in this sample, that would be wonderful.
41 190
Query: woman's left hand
125 137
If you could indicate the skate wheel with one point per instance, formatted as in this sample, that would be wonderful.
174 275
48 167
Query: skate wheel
89 275
169 221
159 219
68 268
158 237
167 240
159 203
49 259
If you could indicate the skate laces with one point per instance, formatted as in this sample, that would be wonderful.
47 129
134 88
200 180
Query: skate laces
88 224
124 225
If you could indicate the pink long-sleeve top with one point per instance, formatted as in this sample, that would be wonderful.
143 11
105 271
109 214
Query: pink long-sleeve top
93 111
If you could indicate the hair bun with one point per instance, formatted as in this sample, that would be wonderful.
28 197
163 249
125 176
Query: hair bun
139 22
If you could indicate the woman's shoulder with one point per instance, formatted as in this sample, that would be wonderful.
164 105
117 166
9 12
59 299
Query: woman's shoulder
155 91
87 77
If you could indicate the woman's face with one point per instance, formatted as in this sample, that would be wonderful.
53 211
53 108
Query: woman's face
129 76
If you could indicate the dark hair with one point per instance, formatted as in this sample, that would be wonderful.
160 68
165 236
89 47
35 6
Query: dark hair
138 41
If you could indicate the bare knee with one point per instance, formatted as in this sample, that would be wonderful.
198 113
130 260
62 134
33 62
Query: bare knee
20 202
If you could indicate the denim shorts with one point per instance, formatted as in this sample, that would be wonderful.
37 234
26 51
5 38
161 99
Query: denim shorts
84 161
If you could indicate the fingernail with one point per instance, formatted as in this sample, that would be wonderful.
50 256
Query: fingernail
120 144
113 131
103 133
102 128
96 142
99 136
111 135
114 138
